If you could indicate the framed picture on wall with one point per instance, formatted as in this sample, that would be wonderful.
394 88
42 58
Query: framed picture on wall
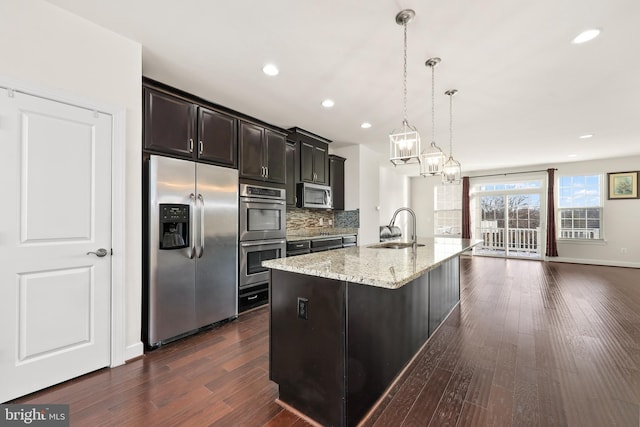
623 185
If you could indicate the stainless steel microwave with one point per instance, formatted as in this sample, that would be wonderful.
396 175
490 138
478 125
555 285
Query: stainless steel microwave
314 196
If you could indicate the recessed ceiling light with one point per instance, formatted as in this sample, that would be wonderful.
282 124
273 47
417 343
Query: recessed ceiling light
587 35
328 103
573 155
586 136
365 125
270 70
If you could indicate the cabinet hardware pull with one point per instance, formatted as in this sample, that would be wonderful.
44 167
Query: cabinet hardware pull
252 297
200 147
266 169
191 145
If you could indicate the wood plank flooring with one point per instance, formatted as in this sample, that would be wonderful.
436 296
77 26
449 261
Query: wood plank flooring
531 344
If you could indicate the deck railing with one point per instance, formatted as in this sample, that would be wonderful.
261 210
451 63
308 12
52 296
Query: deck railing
520 240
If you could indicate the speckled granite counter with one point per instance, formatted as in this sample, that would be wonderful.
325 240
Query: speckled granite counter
320 233
380 267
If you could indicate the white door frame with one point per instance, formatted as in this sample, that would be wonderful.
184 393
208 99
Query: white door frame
515 177
118 259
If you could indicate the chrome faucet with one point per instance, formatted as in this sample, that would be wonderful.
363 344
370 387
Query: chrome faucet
414 236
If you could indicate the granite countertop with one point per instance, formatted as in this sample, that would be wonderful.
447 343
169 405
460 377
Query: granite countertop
320 233
380 267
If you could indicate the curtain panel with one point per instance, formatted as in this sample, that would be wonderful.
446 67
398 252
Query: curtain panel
552 247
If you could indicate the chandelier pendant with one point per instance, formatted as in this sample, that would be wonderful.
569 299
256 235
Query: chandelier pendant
432 159
404 143
452 170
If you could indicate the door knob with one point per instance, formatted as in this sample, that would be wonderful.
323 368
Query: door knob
99 253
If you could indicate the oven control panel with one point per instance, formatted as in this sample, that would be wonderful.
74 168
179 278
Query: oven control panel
249 190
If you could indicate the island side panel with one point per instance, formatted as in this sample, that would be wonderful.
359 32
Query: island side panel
444 292
385 329
307 357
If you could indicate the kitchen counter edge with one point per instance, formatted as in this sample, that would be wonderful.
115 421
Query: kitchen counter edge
379 267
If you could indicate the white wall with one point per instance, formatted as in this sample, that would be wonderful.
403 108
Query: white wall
45 46
621 220
394 194
361 188
621 224
422 202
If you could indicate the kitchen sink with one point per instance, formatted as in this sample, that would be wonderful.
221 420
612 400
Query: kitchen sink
394 245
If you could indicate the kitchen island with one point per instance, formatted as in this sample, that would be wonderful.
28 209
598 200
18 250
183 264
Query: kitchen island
344 323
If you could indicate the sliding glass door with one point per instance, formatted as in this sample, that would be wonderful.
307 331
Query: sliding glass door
509 221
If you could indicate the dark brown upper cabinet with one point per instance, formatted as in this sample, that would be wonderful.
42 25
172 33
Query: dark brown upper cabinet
313 151
178 127
169 123
262 153
313 162
217 137
336 180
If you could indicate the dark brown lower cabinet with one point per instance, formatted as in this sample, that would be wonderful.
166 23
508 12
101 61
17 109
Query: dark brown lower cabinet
336 346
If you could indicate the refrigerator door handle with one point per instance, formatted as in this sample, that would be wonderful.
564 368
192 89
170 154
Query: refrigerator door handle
201 200
192 215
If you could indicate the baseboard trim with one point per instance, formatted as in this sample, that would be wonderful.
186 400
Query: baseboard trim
134 351
608 263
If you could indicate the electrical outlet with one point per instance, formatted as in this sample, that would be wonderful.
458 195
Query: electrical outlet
303 308
321 221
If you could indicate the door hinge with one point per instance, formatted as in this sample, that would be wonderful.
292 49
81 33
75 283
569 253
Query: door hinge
111 251
10 93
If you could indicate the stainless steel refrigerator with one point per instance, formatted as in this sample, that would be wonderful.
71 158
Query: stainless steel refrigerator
192 254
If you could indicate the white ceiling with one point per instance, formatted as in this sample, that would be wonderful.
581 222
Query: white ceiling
526 93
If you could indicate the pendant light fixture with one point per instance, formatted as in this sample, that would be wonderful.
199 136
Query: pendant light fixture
451 171
404 144
432 160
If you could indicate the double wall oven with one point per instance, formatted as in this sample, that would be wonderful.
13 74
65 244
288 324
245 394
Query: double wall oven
262 237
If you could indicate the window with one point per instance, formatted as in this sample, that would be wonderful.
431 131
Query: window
448 210
580 207
509 186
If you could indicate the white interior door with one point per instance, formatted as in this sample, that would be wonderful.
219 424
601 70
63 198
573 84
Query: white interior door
55 175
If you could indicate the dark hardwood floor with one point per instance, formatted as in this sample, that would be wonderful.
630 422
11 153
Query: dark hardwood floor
531 344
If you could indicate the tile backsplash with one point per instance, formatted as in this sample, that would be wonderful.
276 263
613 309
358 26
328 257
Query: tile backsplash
347 219
304 219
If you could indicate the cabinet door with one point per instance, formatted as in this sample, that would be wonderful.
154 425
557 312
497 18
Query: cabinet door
336 180
217 137
275 150
321 164
306 162
251 151
292 173
169 124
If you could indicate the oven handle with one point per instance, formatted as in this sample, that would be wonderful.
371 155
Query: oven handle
262 242
265 201
201 200
192 246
